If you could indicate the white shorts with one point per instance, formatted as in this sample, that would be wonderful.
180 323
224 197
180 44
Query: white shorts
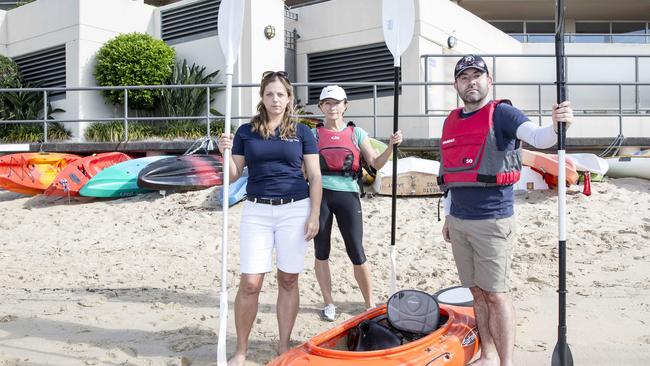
265 227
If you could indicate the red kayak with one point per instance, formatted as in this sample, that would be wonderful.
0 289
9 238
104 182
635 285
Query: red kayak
74 176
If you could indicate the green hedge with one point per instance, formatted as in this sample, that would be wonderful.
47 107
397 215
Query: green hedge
147 130
32 132
134 59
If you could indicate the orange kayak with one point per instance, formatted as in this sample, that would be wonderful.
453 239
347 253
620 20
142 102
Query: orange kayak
454 343
74 176
547 166
31 173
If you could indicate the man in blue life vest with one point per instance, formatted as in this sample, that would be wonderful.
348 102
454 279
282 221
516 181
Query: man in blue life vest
480 161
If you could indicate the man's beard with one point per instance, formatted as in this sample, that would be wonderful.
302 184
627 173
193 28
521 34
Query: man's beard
473 98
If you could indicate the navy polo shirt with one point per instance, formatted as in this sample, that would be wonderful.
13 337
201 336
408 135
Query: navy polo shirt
478 203
274 164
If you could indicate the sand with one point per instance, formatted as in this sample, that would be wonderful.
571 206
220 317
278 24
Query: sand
135 281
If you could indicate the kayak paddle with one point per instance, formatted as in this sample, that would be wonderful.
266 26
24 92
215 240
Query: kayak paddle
229 25
562 353
398 20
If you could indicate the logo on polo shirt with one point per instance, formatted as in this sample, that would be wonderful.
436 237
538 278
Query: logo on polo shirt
335 138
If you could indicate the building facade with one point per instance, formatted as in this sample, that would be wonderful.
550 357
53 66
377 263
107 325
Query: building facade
341 41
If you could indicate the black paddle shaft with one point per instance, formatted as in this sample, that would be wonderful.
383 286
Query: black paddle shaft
561 354
394 178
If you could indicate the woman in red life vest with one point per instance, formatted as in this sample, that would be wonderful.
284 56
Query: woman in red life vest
341 147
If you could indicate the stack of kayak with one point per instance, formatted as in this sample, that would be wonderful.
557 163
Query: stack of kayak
112 174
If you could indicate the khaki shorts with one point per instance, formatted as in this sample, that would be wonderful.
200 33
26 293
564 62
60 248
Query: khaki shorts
482 251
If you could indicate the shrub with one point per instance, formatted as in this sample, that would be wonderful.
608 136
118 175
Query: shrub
114 131
147 130
32 132
186 102
22 105
134 59
9 73
9 78
310 122
188 129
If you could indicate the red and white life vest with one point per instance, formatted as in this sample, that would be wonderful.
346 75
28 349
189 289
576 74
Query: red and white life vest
469 154
339 151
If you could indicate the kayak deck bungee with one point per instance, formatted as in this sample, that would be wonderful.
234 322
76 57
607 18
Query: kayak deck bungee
74 176
32 173
182 173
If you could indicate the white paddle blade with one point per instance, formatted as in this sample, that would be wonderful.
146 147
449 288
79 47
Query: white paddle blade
229 25
398 21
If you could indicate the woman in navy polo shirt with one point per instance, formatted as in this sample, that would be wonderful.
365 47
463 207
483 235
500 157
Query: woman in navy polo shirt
282 208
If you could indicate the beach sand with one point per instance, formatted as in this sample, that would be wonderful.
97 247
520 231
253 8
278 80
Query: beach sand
135 281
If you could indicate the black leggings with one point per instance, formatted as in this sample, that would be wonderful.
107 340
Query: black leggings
346 206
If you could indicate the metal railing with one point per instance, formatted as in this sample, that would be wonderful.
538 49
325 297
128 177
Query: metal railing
494 72
208 117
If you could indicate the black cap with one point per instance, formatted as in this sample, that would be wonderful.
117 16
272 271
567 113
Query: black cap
470 62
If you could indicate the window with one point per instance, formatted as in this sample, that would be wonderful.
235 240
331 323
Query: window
509 27
592 32
372 62
191 21
633 32
540 27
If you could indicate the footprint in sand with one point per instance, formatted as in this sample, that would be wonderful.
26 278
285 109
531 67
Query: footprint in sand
537 346
8 318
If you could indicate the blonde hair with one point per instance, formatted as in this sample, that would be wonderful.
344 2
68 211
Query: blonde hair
288 124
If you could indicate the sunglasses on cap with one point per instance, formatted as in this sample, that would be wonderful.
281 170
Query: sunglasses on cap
272 74
470 62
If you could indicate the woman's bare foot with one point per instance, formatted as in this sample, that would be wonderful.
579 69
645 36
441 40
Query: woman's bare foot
237 360
282 349
485 362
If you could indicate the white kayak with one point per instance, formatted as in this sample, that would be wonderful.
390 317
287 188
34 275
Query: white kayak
530 180
629 166
589 163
